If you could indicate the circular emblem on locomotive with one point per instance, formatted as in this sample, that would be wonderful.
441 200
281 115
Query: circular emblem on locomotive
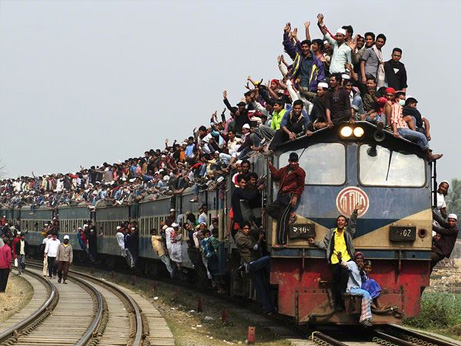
347 199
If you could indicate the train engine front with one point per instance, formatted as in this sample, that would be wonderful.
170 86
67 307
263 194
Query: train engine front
349 165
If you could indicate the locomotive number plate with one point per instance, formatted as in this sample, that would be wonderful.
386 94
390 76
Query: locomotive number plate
402 233
306 230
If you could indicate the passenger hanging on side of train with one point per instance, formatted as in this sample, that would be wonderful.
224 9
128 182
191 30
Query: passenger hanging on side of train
210 246
354 286
240 199
249 247
159 248
442 192
120 237
448 231
290 190
203 216
339 246
171 218
130 247
175 250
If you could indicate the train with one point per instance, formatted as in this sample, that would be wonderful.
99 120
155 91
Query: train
345 165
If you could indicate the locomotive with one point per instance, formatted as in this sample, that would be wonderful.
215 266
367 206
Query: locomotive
348 164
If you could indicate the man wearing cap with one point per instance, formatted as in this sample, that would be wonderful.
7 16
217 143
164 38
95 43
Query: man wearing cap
319 111
291 188
448 231
171 218
22 250
64 258
341 50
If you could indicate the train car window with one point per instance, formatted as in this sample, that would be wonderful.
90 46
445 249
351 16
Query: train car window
379 166
324 163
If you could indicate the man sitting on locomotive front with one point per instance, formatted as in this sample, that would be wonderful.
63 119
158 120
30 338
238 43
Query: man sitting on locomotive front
339 247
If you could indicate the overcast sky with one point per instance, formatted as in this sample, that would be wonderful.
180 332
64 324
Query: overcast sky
83 82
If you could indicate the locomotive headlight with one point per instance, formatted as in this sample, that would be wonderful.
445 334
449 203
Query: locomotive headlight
346 131
359 132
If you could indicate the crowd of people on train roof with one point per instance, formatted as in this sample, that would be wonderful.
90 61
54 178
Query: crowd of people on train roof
340 77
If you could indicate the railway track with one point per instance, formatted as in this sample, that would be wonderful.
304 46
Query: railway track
387 335
87 311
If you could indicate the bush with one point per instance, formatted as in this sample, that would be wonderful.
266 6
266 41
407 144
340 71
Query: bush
438 311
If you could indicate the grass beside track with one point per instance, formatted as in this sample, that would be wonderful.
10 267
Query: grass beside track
440 313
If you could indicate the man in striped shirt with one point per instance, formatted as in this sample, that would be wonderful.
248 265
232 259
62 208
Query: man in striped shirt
400 127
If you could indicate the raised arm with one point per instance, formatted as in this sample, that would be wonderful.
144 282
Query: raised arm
321 25
306 28
287 44
226 101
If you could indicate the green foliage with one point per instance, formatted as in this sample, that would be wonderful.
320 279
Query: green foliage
439 311
454 197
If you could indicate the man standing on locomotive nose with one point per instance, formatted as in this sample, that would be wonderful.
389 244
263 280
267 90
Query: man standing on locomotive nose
339 247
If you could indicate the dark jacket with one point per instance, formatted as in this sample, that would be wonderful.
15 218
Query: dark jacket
444 246
317 72
246 247
18 248
291 181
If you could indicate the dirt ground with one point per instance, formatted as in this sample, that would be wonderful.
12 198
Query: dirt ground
18 293
190 328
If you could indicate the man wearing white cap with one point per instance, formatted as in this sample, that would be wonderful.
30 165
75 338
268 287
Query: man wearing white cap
341 50
448 232
319 112
64 258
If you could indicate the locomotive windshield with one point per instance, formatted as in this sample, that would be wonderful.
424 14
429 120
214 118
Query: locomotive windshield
324 163
379 166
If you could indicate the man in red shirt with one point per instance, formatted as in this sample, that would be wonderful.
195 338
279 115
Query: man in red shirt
291 187
5 263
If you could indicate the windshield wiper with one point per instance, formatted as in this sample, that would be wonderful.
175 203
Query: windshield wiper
389 164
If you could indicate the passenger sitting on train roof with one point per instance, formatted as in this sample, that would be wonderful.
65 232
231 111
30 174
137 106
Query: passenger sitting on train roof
354 286
339 246
400 127
414 119
294 123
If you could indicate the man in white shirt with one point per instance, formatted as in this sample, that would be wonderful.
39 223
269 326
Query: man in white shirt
341 50
51 251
